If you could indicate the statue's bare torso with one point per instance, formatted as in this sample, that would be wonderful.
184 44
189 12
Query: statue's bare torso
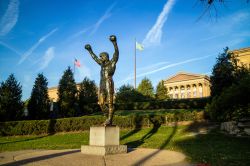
106 88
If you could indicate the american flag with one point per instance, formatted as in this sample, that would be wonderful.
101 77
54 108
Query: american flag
77 63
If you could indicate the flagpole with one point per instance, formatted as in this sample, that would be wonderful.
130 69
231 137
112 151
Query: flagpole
135 65
74 67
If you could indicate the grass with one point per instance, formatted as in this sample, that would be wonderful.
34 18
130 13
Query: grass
146 112
214 147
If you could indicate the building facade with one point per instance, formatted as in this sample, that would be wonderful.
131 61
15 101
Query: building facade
243 56
52 92
187 85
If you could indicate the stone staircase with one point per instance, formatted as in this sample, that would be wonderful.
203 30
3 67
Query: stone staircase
238 128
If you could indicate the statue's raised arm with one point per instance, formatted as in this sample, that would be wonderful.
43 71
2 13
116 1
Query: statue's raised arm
88 47
115 58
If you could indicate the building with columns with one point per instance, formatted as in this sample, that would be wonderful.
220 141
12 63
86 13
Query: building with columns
188 85
52 92
243 56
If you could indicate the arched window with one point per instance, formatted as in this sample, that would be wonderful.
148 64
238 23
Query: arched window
182 92
200 90
194 91
188 91
176 92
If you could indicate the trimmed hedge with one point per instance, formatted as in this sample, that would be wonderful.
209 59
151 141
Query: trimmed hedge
29 127
197 103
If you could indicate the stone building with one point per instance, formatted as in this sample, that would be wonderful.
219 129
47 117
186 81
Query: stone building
185 85
52 92
243 55
188 85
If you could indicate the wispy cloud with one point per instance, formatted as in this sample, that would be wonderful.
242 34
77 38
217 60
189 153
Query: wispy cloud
96 26
46 59
81 32
212 37
30 51
166 67
153 66
9 18
227 26
148 68
154 35
10 48
104 17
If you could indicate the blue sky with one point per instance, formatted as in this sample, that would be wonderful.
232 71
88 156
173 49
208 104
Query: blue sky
45 36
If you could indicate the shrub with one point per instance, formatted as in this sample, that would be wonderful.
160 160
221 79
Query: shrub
51 126
233 103
198 103
129 94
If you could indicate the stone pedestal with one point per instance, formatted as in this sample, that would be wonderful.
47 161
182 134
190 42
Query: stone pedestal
104 141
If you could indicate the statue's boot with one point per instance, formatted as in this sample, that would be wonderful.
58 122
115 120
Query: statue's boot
108 121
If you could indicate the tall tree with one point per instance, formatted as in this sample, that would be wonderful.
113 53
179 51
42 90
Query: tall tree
87 94
10 99
127 94
38 106
67 92
146 88
222 74
161 91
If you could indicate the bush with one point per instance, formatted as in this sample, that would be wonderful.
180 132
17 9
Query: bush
233 103
198 103
129 94
51 126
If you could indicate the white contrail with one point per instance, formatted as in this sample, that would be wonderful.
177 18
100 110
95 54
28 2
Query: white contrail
155 33
153 66
148 68
166 67
173 65
46 59
9 18
106 15
10 48
96 26
30 51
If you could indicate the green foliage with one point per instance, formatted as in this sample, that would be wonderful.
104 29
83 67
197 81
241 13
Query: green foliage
67 94
222 75
29 127
127 93
146 88
161 91
198 103
224 72
87 96
233 103
11 106
38 105
229 89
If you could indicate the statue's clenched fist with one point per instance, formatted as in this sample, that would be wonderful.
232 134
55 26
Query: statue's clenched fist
88 47
112 38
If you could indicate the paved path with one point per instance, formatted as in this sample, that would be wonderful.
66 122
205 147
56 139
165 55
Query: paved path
75 158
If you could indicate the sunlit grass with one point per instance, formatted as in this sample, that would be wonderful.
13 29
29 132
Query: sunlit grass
214 147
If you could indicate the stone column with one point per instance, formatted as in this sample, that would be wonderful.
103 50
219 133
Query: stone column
185 89
201 94
179 94
204 90
191 91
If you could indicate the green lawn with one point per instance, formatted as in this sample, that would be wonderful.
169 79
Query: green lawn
213 148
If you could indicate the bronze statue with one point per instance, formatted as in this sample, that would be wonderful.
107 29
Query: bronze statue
106 89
